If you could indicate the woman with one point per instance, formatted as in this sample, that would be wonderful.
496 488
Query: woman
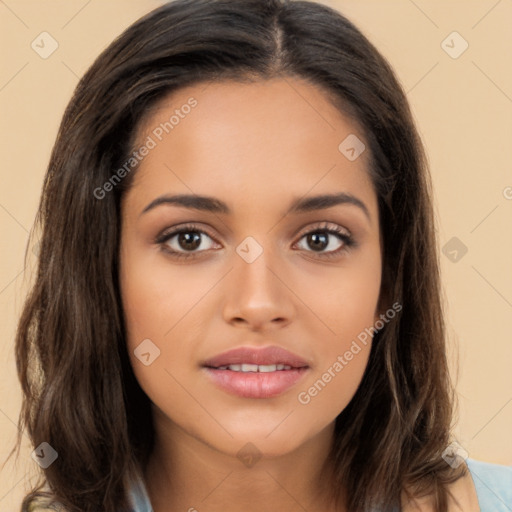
237 302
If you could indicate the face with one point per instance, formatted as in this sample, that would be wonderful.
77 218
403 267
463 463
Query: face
246 309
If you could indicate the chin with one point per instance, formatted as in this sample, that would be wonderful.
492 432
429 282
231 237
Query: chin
264 440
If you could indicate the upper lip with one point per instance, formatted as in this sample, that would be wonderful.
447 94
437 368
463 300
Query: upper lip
260 356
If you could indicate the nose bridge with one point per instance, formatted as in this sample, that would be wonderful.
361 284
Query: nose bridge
257 294
254 267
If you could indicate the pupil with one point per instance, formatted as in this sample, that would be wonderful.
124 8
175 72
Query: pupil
191 240
315 238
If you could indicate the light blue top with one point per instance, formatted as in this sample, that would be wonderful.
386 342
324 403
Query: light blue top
493 484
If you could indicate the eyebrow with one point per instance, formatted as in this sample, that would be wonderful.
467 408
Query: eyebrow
300 205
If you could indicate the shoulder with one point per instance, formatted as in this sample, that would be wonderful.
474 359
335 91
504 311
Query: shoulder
493 484
462 497
484 488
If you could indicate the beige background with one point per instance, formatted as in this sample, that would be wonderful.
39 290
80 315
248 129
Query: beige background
463 107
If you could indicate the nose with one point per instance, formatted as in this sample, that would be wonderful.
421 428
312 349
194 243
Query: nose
258 295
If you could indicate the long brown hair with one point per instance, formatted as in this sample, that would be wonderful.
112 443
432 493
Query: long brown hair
80 393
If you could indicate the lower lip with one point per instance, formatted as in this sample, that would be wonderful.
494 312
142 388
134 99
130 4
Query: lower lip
256 384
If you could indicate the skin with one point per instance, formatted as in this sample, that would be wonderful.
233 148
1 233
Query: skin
257 147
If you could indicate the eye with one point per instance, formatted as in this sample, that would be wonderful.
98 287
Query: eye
188 241
327 240
185 242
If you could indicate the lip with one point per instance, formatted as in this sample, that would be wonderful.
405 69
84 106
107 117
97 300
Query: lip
256 384
260 356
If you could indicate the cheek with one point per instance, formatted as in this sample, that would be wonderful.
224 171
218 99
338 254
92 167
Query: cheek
347 306
331 389
161 305
341 364
156 295
344 299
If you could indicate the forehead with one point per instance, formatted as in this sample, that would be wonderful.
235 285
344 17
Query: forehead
265 137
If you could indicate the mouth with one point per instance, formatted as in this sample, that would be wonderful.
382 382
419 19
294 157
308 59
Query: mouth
256 373
261 368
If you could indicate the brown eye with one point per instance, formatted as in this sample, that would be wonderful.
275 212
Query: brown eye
189 241
327 241
318 241
186 241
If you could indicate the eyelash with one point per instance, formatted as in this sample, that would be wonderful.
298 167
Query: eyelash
342 234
